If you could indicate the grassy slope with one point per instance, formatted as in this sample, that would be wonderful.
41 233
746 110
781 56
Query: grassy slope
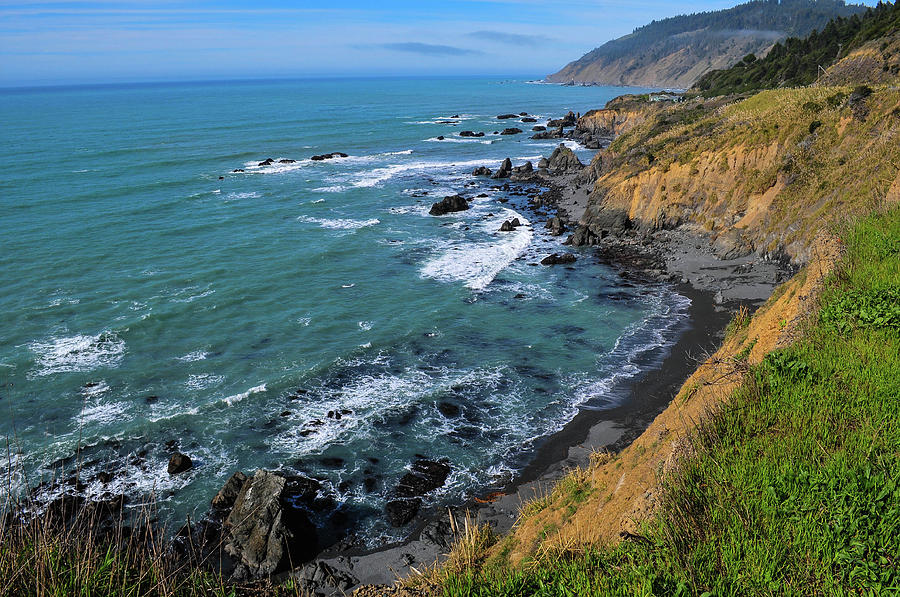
794 485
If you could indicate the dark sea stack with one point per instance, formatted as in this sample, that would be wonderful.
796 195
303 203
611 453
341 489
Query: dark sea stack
265 533
506 116
557 259
328 156
556 133
266 162
179 463
471 134
237 170
507 227
568 120
529 119
450 204
505 169
523 113
287 161
511 131
424 476
481 171
538 128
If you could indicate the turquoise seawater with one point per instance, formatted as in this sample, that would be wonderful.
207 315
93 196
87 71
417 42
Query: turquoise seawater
148 305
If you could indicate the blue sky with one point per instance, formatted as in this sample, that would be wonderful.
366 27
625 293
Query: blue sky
106 41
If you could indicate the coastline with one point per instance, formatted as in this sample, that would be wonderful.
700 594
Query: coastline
683 259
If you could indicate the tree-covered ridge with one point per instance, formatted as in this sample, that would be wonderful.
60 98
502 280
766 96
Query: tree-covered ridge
779 18
796 61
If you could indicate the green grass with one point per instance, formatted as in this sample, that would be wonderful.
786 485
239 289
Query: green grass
795 486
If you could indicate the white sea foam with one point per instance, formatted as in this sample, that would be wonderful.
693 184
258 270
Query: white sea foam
339 223
377 176
238 196
191 357
232 400
478 140
365 326
192 298
202 381
477 264
331 189
95 388
102 413
317 201
66 354
304 321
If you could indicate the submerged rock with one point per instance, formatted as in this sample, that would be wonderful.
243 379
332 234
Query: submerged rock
450 204
424 476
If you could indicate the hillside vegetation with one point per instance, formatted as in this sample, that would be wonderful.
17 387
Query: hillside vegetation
676 52
797 62
791 483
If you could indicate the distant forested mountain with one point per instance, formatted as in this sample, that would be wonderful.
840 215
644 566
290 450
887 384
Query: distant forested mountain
843 49
676 52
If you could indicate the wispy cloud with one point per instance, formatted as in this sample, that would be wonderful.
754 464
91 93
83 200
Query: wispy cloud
512 39
412 47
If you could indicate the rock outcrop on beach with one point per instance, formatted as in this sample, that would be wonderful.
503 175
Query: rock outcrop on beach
448 205
563 160
264 532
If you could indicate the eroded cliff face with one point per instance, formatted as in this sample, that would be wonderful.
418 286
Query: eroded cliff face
762 175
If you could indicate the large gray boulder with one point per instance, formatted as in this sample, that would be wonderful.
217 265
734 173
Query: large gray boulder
264 533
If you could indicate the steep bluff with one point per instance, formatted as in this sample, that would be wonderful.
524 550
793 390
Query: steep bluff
763 174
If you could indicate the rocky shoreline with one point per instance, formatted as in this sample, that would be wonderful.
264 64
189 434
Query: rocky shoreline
258 526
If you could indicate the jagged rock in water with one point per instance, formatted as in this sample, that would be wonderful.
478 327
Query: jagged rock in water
482 171
523 172
450 204
511 131
505 169
557 259
179 463
568 120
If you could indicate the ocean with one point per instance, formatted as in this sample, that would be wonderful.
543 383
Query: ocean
309 316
